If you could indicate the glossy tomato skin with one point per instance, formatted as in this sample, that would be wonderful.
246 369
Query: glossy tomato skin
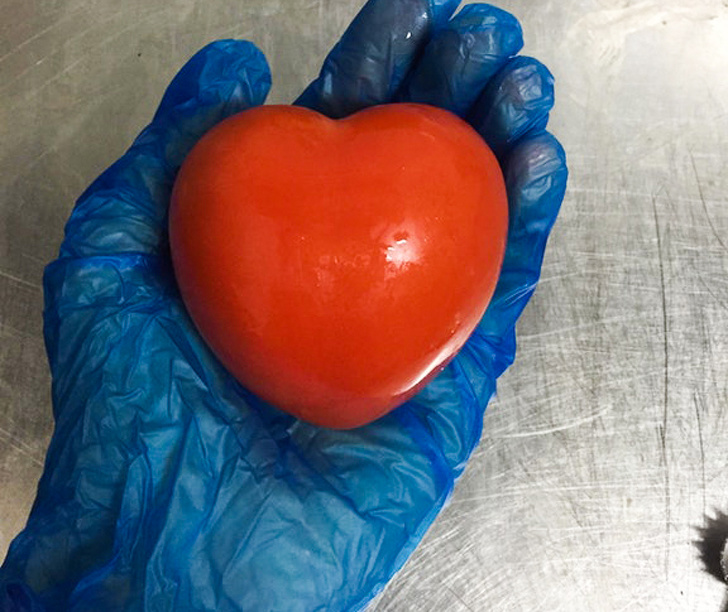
336 266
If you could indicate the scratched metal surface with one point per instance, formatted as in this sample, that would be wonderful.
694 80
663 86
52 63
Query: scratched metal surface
607 442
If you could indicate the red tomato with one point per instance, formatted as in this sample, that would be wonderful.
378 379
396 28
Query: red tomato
336 266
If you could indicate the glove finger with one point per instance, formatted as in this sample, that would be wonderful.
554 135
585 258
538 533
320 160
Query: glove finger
125 209
462 57
372 58
517 101
536 177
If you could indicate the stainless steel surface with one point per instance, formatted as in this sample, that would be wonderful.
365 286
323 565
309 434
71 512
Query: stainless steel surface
606 444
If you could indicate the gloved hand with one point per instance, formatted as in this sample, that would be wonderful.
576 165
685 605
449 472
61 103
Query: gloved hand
167 486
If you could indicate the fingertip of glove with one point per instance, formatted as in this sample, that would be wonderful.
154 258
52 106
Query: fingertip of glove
524 66
538 174
480 17
236 70
515 103
539 155
249 64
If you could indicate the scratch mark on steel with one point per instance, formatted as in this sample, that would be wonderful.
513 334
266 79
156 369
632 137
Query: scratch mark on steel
18 280
705 206
460 599
666 395
23 448
550 430
708 289
20 46
698 406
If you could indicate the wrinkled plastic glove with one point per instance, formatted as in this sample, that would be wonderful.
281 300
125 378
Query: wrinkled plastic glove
167 486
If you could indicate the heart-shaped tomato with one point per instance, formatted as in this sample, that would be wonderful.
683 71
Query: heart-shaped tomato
336 266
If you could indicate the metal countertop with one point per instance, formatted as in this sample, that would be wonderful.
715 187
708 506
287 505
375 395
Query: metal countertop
606 445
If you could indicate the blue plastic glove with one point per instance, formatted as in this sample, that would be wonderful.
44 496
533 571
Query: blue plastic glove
167 486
